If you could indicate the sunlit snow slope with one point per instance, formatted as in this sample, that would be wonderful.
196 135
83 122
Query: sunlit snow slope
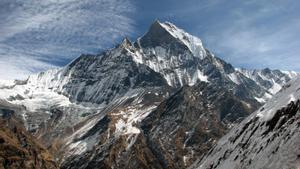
269 138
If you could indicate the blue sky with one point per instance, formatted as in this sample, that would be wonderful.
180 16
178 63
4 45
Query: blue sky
37 35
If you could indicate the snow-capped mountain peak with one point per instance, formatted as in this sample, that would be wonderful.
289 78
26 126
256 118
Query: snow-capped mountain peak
169 33
171 52
193 43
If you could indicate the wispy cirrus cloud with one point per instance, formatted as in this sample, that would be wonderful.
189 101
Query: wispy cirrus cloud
257 34
36 35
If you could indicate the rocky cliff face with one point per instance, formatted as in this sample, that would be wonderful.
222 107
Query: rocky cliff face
187 124
112 110
269 138
18 149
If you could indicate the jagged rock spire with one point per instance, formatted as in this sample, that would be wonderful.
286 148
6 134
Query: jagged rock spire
126 42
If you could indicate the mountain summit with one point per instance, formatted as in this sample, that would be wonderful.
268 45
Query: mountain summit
169 36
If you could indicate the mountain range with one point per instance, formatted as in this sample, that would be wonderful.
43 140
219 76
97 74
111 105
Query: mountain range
162 101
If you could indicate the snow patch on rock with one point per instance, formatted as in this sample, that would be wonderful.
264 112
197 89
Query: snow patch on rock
131 116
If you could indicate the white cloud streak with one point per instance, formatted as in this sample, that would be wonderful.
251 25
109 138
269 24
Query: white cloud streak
36 35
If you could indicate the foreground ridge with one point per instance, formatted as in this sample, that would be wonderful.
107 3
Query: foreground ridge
269 138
